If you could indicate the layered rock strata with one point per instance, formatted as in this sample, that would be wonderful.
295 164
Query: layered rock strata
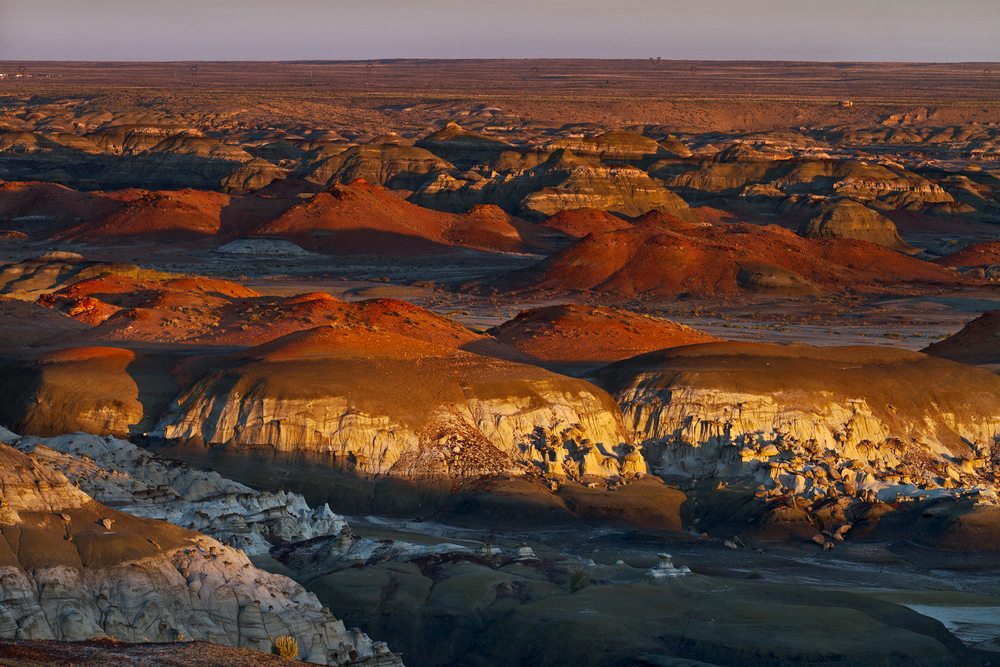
72 569
381 404
815 422
847 219
119 474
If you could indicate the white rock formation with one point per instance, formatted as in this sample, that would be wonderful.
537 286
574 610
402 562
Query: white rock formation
117 473
665 569
70 577
262 247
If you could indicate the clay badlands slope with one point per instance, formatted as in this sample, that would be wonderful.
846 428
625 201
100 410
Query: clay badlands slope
722 261
354 218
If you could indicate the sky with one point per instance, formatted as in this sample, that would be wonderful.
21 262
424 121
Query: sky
182 30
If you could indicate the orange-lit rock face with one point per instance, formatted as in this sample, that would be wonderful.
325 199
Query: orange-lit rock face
573 333
78 389
876 420
383 403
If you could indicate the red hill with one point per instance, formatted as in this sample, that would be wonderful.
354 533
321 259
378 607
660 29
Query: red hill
573 333
726 260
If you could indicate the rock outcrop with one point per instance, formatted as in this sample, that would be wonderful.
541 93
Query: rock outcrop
79 389
251 176
814 422
117 473
375 404
74 569
395 167
562 181
847 219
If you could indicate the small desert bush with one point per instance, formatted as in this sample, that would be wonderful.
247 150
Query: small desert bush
578 580
285 646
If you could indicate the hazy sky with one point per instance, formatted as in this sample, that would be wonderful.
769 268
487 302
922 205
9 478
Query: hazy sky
879 30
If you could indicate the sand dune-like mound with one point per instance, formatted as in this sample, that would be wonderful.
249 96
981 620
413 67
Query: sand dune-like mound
847 219
80 389
136 579
155 216
23 323
359 218
730 259
977 254
573 334
578 222
977 343
372 403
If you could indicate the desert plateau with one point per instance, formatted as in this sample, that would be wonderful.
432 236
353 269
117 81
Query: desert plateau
485 363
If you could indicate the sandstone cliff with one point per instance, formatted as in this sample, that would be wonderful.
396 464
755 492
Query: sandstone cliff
380 404
816 422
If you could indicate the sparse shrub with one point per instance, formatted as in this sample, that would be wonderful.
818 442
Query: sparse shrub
285 646
578 580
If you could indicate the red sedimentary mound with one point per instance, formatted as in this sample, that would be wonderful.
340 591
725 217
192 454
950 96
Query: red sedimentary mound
578 222
731 259
572 333
219 312
488 227
28 206
977 343
979 254
155 216
359 218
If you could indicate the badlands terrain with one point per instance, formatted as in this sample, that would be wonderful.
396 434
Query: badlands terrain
448 363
